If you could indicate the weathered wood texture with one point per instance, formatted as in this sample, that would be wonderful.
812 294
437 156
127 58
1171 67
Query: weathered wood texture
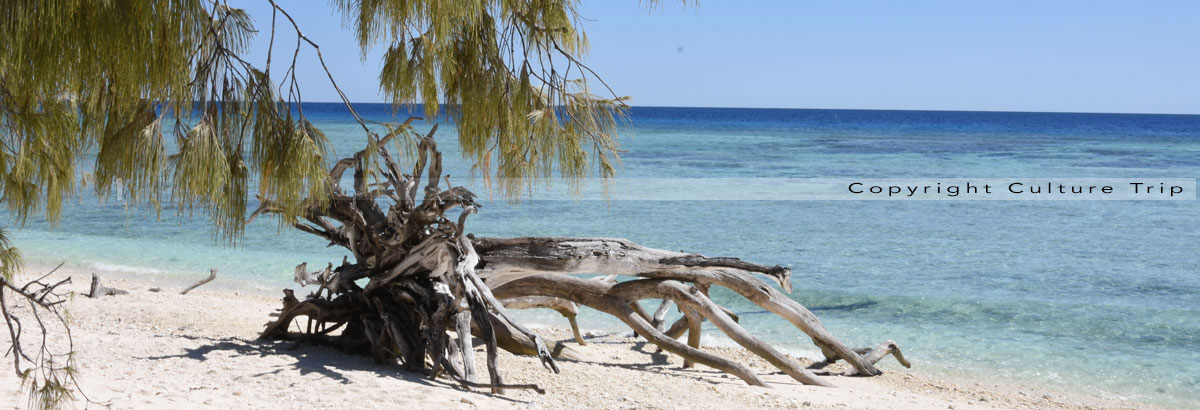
97 290
419 288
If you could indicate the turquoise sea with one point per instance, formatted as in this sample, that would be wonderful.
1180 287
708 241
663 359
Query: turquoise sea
1101 297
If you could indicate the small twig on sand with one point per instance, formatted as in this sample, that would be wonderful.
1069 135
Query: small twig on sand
212 274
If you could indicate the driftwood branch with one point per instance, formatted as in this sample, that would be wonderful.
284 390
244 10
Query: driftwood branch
419 291
508 259
566 308
212 274
44 358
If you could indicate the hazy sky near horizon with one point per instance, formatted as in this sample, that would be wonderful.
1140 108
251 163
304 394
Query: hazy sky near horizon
1075 56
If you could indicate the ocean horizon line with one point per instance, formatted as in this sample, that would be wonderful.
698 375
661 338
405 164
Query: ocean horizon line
913 110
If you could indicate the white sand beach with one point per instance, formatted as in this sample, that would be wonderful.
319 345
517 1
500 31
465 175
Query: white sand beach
165 350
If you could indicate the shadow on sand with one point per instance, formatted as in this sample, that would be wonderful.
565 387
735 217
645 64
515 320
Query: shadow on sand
327 362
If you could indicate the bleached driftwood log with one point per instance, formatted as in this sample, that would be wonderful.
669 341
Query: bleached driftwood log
511 258
418 287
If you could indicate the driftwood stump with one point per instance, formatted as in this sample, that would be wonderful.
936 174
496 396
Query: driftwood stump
419 287
98 290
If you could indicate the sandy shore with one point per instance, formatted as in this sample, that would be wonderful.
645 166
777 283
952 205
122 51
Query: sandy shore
161 349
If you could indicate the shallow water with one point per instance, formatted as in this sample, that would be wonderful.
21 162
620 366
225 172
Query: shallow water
1080 295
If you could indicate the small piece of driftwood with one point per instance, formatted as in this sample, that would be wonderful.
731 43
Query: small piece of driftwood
98 290
212 274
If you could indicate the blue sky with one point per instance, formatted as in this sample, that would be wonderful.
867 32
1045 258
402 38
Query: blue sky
1080 56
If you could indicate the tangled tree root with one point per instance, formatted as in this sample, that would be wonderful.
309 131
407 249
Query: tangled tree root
419 287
